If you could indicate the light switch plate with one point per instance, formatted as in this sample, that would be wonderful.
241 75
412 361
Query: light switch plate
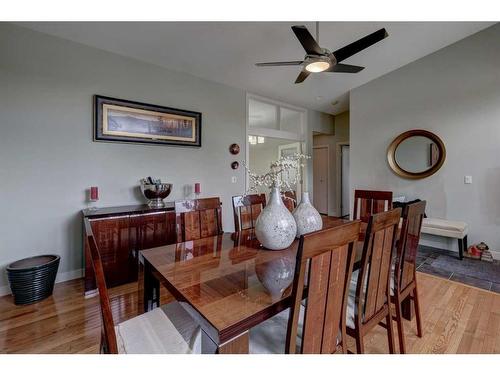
468 180
233 179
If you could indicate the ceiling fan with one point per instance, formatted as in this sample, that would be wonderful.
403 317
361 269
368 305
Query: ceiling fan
319 59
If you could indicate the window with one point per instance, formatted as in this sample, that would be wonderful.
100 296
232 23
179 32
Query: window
273 119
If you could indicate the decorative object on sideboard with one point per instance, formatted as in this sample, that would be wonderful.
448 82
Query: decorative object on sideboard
117 120
234 149
306 216
93 197
275 226
197 189
235 165
155 191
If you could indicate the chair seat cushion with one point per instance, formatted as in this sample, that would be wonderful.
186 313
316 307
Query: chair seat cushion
168 329
269 337
445 228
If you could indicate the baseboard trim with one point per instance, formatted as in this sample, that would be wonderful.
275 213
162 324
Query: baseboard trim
4 290
495 254
61 277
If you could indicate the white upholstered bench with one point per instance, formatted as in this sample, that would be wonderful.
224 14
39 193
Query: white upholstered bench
448 228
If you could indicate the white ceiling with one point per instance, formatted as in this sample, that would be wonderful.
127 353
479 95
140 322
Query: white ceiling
226 52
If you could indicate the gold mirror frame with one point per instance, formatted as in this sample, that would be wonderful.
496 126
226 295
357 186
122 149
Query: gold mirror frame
396 168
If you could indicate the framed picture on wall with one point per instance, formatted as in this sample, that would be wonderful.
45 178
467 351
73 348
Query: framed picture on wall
117 120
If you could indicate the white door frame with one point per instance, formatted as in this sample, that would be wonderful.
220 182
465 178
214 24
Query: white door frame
327 175
339 176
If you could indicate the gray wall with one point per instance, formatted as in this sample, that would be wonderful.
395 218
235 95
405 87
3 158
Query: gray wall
317 122
455 92
47 155
48 159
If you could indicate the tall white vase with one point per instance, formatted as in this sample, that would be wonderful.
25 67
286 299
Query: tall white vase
275 227
306 216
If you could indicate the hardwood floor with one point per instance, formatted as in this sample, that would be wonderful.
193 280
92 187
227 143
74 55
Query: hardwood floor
456 319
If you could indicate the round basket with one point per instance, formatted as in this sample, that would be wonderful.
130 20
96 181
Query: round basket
32 279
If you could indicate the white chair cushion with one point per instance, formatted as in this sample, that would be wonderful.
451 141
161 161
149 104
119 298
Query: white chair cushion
444 228
168 329
269 337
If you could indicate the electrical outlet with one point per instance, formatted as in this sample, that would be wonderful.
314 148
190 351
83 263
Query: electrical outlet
468 180
233 179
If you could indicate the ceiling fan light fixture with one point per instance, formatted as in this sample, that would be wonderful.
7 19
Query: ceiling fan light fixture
317 64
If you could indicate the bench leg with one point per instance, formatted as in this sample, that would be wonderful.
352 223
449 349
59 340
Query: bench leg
462 243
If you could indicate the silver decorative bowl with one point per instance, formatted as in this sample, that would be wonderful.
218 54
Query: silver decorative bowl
156 193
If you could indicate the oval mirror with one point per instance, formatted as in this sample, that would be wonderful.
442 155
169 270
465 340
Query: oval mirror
416 154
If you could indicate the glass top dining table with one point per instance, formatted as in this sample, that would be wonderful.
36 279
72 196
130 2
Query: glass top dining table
228 283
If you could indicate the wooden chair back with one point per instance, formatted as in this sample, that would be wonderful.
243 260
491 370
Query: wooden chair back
327 257
404 272
369 202
373 285
198 218
108 335
246 209
290 200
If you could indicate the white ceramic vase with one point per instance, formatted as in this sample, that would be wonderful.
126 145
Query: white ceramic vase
306 216
275 227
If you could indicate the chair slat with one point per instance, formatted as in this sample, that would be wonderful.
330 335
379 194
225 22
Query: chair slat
198 218
372 300
246 210
330 255
369 202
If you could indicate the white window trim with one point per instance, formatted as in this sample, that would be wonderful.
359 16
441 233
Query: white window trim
266 132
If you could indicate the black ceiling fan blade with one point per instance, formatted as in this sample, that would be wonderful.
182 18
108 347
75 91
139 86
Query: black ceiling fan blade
359 45
302 76
344 68
280 63
306 39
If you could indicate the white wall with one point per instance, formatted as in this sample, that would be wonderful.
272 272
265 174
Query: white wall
454 92
48 159
341 135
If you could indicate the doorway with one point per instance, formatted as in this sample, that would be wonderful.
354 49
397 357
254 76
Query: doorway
345 206
320 178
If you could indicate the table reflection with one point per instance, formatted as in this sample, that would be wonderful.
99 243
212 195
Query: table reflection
276 275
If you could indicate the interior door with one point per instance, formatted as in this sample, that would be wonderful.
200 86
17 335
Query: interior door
346 204
320 179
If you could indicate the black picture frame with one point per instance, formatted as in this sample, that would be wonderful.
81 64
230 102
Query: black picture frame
126 121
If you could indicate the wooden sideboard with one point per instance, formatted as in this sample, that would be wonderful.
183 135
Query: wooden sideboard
120 233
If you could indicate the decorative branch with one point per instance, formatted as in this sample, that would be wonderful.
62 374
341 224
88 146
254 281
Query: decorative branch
279 174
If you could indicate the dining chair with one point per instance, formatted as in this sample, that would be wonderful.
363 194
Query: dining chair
369 202
324 263
405 278
198 218
246 209
289 199
369 296
167 329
